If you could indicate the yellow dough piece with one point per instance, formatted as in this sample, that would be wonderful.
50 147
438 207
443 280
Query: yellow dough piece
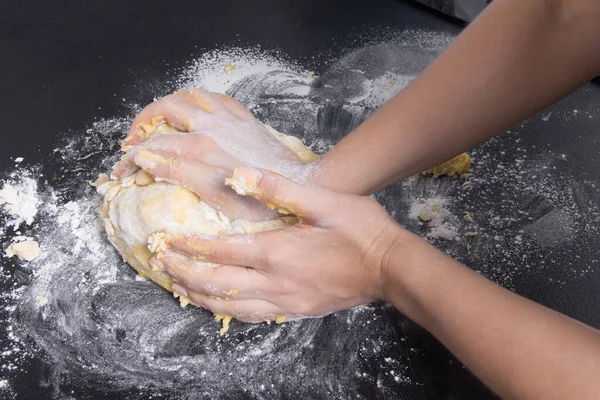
137 210
456 166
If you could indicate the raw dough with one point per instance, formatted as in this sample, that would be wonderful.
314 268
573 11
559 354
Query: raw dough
23 247
459 165
137 210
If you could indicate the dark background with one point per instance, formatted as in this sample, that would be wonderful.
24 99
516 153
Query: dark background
65 64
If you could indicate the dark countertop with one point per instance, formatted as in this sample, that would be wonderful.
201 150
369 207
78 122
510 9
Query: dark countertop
67 65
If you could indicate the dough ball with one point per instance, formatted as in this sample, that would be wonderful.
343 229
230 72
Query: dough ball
137 209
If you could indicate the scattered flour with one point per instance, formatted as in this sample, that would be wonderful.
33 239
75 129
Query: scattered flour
434 213
19 199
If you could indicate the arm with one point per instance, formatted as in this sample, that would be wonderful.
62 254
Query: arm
520 349
517 58
356 254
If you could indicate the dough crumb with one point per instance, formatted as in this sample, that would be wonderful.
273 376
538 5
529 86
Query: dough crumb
436 215
456 166
24 247
42 301
231 293
225 320
469 216
241 186
184 301
158 242
102 178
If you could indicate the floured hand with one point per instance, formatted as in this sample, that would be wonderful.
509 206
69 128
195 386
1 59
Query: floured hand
331 260
217 135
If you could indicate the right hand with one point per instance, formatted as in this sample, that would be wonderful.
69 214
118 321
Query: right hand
335 258
223 135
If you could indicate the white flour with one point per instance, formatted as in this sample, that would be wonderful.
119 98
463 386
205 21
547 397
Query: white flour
18 196
434 214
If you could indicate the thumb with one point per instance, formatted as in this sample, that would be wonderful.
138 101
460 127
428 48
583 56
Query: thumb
277 191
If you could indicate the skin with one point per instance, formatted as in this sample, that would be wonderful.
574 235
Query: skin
515 59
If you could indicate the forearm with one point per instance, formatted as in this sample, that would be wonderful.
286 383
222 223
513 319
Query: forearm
520 349
517 58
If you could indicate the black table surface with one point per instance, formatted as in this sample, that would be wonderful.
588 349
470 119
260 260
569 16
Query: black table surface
66 64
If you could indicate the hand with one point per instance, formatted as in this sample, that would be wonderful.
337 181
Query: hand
225 135
331 260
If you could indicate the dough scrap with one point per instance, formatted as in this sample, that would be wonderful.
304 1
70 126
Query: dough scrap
23 247
459 165
137 211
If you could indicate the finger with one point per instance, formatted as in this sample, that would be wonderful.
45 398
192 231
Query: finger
234 106
214 102
178 113
204 99
193 145
276 191
243 310
203 179
220 281
239 250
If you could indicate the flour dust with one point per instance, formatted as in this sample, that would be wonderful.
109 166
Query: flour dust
94 328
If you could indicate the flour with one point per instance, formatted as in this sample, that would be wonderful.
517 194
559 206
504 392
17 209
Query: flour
434 213
19 198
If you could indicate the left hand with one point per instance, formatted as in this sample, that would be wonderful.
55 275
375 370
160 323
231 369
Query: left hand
331 260
217 135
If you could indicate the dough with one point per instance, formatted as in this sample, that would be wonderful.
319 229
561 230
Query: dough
23 247
137 210
459 165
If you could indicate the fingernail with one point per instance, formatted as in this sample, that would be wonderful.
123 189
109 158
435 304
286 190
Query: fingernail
148 160
179 290
156 264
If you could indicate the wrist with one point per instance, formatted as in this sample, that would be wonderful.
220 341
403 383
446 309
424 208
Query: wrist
330 174
401 268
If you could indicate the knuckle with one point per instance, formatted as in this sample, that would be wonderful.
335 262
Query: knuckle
268 255
286 287
175 168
